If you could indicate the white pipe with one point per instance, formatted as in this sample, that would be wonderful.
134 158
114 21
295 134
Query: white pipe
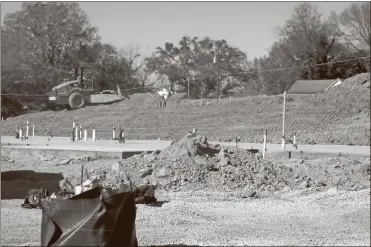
265 143
93 135
113 132
294 138
85 135
123 136
76 134
80 133
283 120
33 131
27 129
20 133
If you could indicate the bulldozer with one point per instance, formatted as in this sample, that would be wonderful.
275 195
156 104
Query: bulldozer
77 94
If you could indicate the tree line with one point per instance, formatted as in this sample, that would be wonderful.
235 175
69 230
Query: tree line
46 43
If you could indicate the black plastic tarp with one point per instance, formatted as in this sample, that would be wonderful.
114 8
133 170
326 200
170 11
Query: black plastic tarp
93 218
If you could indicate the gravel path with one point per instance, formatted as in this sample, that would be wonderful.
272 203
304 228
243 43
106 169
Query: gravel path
216 219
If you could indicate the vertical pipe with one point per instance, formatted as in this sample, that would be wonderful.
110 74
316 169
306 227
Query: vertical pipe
93 135
80 133
20 134
264 143
294 138
283 120
123 136
85 135
76 134
113 132
27 129
82 175
188 87
33 131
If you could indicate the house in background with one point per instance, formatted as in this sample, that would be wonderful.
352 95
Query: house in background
313 86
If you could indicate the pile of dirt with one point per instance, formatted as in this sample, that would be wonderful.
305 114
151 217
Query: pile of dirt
194 164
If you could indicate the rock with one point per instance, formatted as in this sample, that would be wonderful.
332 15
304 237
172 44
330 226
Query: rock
174 179
65 184
223 159
152 180
64 162
116 167
146 172
163 172
248 192
200 160
156 152
304 185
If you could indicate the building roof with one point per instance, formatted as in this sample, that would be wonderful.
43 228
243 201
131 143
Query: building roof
311 86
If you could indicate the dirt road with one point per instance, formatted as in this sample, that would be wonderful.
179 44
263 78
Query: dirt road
150 145
217 219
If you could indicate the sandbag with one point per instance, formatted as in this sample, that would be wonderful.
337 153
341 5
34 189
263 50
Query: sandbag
96 217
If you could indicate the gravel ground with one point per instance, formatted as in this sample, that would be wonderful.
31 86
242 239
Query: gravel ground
217 219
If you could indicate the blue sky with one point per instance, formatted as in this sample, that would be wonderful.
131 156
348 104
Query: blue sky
247 25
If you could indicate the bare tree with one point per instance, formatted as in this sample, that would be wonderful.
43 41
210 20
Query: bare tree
355 24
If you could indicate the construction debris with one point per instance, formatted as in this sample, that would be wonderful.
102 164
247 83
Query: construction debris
192 163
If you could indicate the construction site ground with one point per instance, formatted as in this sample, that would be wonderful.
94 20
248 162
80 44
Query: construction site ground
211 194
206 212
338 116
219 219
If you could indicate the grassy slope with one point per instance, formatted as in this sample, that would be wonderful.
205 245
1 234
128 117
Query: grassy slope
338 116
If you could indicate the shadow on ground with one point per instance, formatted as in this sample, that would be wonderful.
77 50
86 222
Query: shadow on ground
16 184
159 204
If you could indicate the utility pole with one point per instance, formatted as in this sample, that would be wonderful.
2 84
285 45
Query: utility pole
217 70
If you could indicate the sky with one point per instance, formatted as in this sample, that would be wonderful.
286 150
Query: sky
247 25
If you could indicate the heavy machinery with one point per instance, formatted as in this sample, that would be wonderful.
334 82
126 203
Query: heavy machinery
76 94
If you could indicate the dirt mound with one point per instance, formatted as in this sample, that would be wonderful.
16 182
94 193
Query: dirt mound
357 80
16 184
192 164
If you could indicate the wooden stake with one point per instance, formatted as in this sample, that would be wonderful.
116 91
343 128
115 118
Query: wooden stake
294 138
